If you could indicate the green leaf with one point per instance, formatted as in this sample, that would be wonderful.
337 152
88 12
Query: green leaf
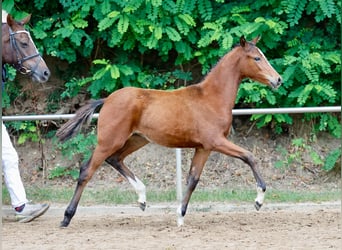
123 23
205 8
77 36
331 159
108 21
101 61
304 95
206 39
227 41
22 139
328 7
80 23
169 6
156 3
114 72
39 33
187 19
105 6
158 32
268 118
99 74
126 70
65 32
294 10
133 5
172 34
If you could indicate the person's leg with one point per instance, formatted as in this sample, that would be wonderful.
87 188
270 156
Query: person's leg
25 211
10 166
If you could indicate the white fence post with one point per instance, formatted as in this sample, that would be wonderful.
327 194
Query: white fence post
179 174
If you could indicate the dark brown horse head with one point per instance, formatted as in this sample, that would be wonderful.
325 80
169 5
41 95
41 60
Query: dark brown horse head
19 50
256 66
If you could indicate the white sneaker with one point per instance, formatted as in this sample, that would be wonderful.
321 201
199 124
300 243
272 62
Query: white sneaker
31 211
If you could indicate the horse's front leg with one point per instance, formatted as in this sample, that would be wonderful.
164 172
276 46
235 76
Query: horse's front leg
195 172
226 147
260 184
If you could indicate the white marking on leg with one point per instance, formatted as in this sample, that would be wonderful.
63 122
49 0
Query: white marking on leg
180 218
140 189
260 197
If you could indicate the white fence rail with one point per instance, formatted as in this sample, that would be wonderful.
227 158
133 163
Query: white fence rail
331 109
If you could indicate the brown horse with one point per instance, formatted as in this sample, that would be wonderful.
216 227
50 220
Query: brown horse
19 50
198 116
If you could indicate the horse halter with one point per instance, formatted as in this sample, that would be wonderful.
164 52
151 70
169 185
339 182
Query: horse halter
20 56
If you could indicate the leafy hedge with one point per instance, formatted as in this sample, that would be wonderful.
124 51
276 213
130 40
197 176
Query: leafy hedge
110 44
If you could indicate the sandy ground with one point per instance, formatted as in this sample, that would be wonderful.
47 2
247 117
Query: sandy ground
207 226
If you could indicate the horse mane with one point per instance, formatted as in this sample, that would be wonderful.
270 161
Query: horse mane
4 16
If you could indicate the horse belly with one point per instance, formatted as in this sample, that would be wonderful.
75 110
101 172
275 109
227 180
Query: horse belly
168 140
170 130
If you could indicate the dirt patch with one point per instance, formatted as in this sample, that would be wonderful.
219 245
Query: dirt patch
221 226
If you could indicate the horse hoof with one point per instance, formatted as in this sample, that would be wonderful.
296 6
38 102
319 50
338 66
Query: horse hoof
63 224
142 205
257 205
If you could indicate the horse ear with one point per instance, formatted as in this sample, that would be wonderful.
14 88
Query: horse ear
255 40
25 20
10 20
243 41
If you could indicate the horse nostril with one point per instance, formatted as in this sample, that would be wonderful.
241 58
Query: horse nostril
47 73
280 81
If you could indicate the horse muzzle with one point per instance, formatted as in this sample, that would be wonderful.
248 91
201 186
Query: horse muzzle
41 76
275 83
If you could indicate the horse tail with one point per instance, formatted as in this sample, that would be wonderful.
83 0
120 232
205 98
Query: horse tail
84 114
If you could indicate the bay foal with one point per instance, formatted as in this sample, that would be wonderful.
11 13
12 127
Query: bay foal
198 116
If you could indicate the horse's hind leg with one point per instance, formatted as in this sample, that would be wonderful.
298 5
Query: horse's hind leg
195 172
87 170
116 160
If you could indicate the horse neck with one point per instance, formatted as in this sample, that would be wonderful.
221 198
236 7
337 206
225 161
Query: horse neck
224 79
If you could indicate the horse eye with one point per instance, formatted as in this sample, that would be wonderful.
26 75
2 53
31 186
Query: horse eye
257 59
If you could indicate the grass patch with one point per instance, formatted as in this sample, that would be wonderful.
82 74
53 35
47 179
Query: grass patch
118 196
